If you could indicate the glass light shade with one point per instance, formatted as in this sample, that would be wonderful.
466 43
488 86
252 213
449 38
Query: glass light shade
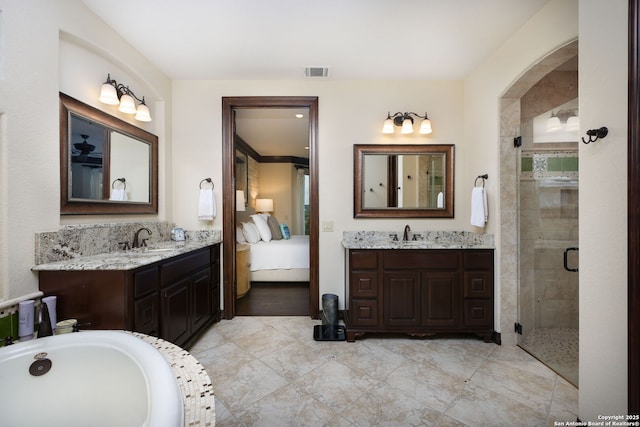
425 126
388 126
240 201
553 124
407 126
573 123
108 95
127 104
264 205
142 113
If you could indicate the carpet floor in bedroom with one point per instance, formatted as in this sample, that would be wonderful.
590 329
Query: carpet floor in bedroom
275 299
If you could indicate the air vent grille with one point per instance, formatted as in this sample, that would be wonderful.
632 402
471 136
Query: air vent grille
316 71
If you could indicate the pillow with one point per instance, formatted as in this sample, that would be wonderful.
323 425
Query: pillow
286 235
250 232
263 228
274 226
239 236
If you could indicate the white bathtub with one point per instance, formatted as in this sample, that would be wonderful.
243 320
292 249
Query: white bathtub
97 378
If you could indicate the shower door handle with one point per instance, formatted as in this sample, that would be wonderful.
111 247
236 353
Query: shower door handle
566 253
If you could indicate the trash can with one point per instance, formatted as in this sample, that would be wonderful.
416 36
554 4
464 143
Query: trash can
329 309
330 330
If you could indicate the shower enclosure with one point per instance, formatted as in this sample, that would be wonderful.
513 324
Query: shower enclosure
548 245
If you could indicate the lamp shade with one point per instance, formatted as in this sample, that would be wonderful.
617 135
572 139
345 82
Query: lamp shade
425 126
407 126
240 201
264 205
108 95
127 104
553 123
573 123
142 113
388 126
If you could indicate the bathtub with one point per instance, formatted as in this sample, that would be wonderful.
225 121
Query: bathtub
96 378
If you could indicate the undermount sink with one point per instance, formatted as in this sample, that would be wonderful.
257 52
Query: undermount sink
158 249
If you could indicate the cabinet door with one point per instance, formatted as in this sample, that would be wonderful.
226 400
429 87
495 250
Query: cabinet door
201 298
401 299
440 299
175 312
146 316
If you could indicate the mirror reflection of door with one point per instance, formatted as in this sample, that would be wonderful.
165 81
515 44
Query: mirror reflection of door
404 181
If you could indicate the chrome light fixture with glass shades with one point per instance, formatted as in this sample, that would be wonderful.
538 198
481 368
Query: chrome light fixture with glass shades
114 93
405 120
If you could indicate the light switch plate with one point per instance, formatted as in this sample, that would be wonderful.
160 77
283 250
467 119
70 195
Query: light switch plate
327 225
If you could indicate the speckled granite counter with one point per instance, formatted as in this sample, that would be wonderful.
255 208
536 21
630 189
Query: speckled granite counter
424 240
193 380
128 260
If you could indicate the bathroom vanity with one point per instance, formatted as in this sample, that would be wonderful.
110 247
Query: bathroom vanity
421 288
171 291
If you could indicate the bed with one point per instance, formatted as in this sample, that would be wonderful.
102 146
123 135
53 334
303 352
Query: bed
273 259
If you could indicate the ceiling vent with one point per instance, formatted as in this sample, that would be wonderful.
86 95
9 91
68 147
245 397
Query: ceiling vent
316 71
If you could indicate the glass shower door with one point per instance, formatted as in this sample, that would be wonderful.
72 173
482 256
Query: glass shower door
548 259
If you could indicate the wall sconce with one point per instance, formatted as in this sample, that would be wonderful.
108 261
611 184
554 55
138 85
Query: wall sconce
406 121
569 118
264 205
114 93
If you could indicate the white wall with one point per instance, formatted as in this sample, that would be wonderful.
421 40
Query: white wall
198 147
603 209
36 67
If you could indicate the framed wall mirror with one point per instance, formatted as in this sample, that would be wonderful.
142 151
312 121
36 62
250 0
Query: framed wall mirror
107 166
403 181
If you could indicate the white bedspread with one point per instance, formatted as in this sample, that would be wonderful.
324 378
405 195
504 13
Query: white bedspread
280 254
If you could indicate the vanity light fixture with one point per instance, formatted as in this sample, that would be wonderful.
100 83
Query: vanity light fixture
114 93
406 121
567 119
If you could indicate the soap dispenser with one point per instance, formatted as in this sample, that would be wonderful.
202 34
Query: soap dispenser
44 329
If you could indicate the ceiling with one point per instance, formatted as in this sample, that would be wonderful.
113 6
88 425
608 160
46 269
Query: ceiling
277 39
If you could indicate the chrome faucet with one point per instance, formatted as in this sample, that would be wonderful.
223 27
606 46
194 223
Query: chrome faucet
137 243
405 235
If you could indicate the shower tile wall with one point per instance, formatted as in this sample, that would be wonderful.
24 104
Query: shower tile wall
548 225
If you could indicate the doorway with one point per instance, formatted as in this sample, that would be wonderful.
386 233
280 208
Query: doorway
230 105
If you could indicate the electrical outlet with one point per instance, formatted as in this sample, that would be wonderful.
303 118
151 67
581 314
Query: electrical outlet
327 226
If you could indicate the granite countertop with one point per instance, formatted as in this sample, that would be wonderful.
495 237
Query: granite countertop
424 240
130 259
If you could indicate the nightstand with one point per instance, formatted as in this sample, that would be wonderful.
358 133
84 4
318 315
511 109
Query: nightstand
242 269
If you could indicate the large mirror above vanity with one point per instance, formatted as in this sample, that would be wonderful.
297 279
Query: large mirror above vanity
107 166
403 181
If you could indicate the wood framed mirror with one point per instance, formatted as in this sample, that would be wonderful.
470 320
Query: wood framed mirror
403 181
107 166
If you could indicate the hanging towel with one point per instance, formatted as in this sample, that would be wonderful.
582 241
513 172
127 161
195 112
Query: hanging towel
119 194
207 205
479 212
440 203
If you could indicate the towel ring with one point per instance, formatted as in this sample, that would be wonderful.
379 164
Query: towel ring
483 177
122 180
207 180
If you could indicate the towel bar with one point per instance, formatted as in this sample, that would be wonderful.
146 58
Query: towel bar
207 180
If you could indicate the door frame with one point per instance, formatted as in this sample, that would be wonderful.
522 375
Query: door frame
229 105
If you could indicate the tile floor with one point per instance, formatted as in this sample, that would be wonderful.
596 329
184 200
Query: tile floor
268 371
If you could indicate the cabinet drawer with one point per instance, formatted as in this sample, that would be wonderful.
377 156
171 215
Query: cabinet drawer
364 260
478 260
364 284
420 260
364 312
173 270
478 284
478 313
145 281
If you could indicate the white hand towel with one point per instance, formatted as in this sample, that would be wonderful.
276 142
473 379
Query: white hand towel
440 200
118 194
479 212
207 205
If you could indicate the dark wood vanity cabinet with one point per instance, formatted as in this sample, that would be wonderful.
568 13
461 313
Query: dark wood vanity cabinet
420 292
174 299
